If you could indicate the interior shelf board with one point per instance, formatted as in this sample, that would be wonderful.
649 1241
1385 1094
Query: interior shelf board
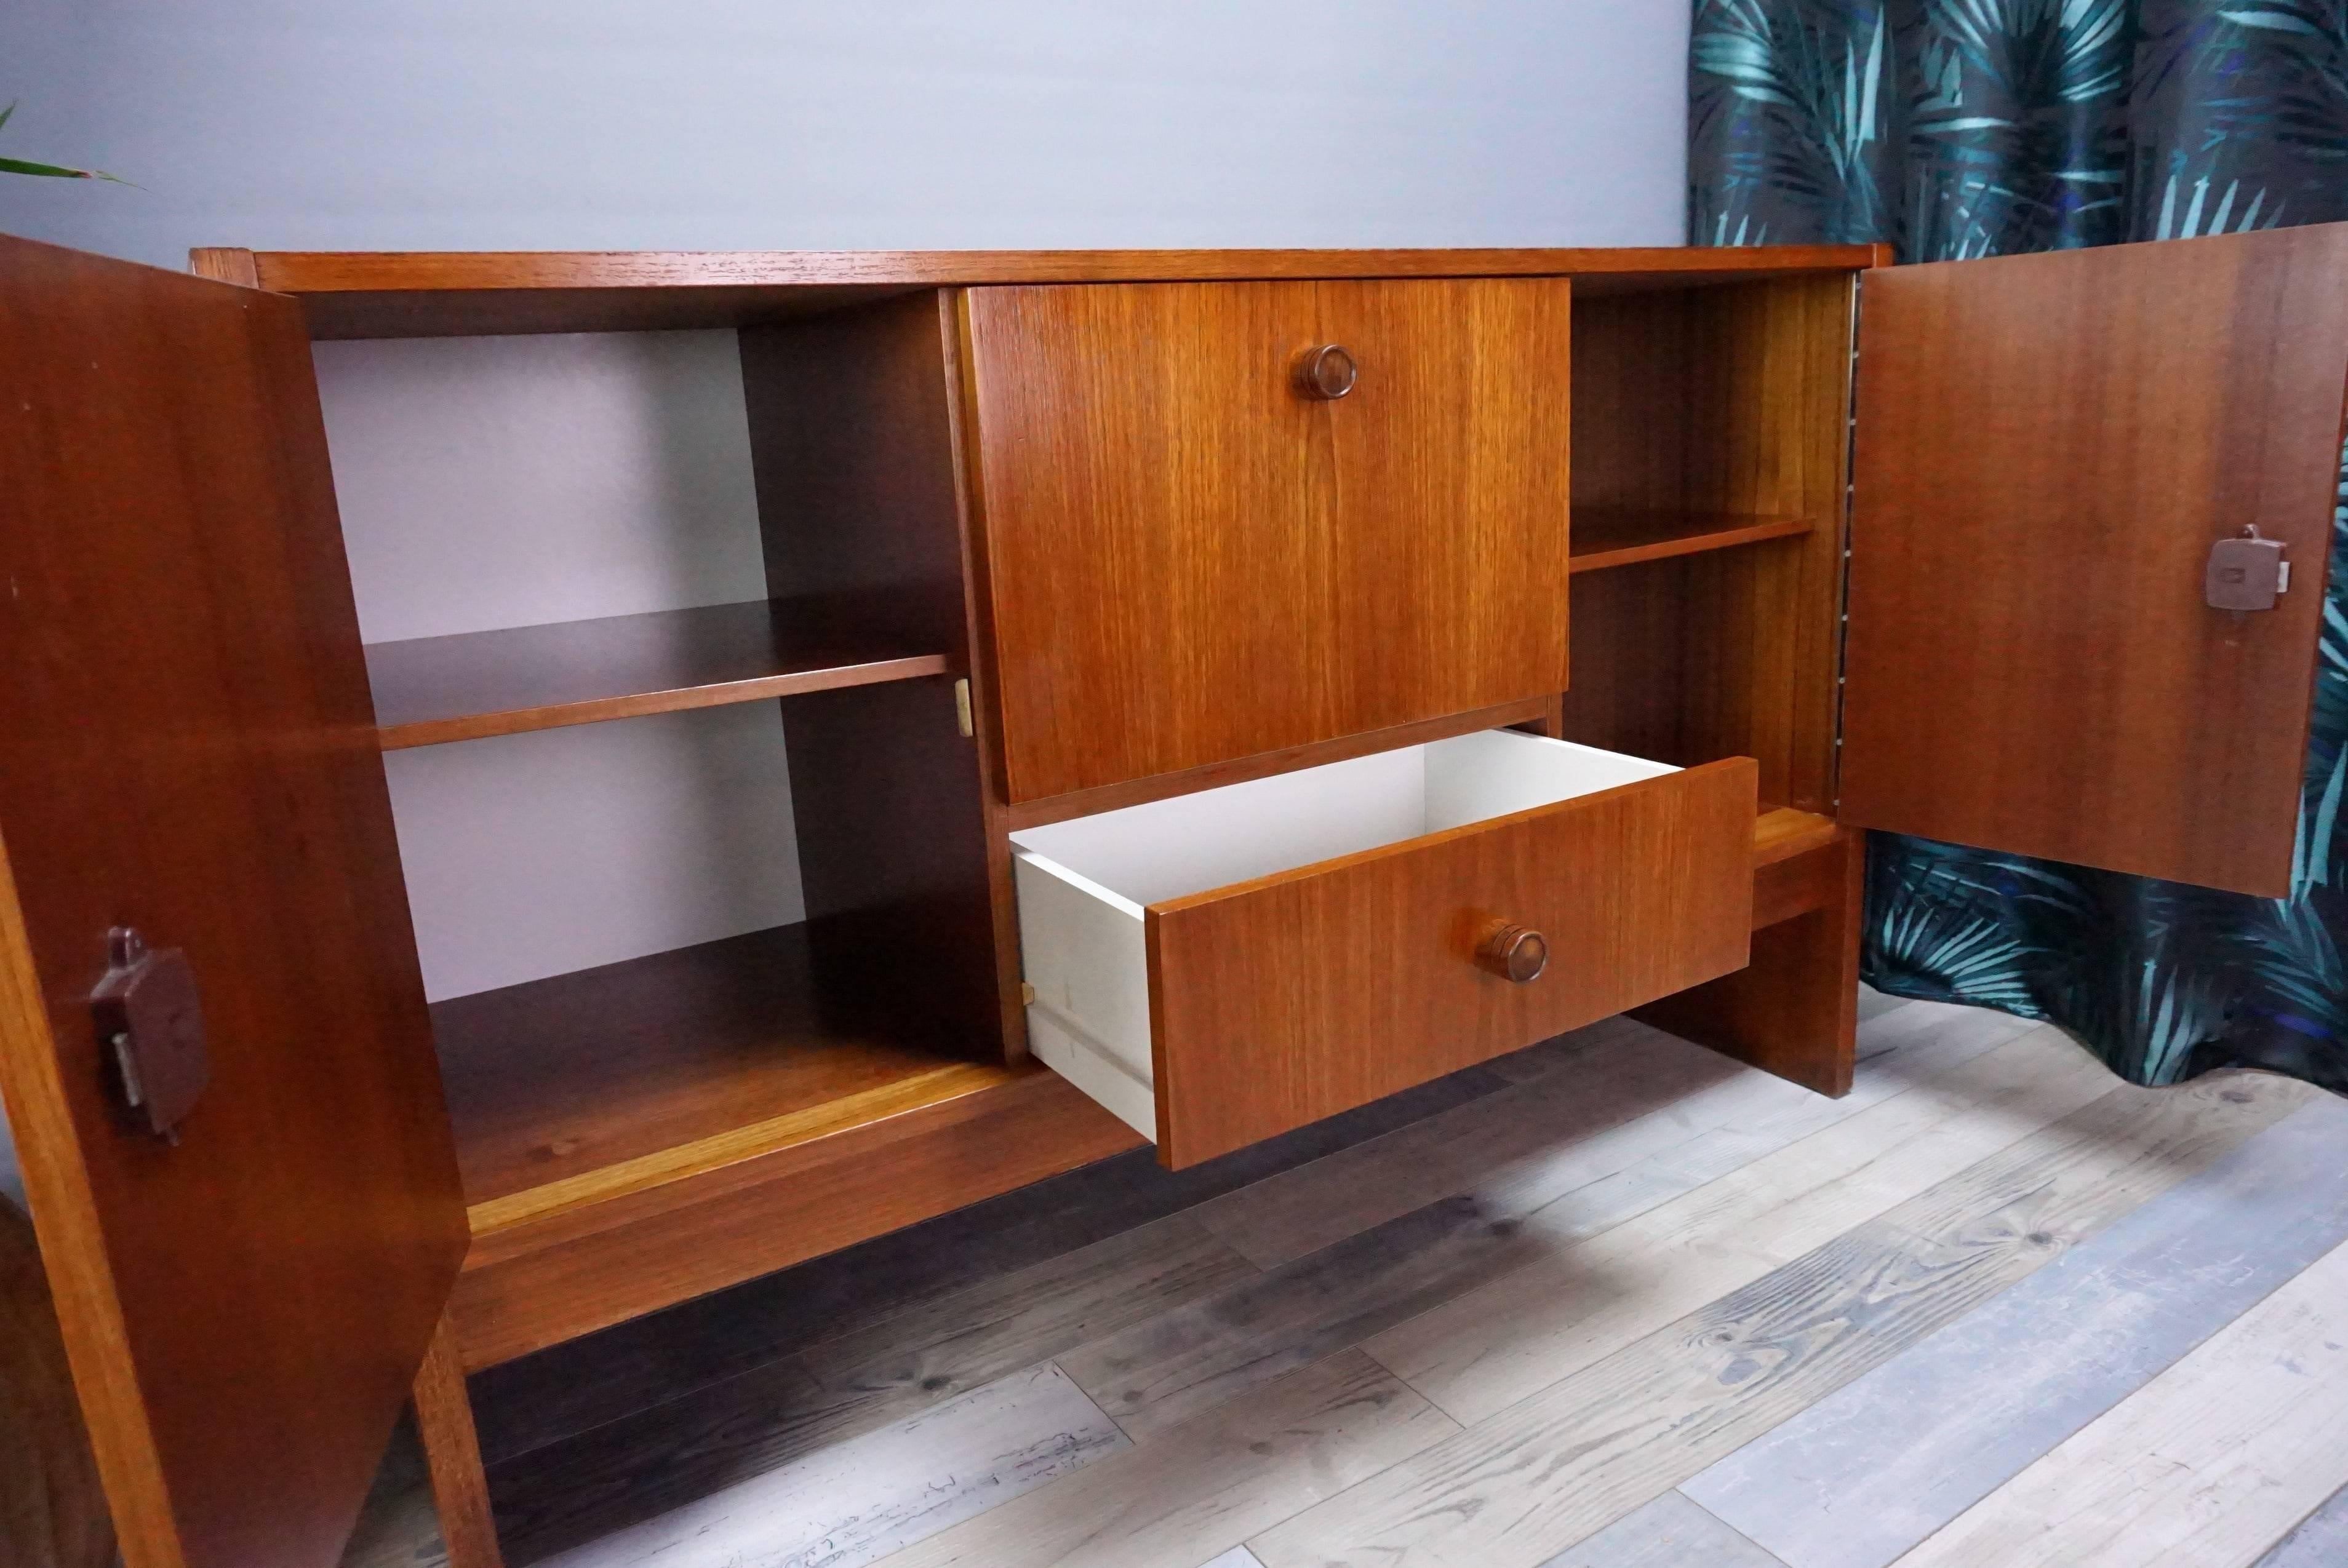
432 689
1607 536
1782 833
588 1086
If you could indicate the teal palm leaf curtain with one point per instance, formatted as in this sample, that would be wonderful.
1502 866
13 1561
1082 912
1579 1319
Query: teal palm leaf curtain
1957 128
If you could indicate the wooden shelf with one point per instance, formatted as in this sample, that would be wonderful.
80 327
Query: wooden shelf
433 690
593 1086
1604 537
1782 833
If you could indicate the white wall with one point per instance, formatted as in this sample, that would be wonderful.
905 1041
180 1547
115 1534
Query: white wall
731 124
749 124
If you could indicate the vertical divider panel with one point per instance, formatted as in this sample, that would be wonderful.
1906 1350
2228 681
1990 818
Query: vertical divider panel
852 435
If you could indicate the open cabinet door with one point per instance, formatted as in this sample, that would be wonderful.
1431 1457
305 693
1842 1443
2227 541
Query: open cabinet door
2048 446
187 748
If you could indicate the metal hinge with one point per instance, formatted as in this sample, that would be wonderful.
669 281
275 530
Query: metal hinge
962 707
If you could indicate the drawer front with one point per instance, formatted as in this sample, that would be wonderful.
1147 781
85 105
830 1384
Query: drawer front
1277 1002
1188 559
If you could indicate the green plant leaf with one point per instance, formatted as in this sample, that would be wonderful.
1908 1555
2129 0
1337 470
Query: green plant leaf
54 172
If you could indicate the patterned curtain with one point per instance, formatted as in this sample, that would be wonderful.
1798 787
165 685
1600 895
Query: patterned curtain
1977 128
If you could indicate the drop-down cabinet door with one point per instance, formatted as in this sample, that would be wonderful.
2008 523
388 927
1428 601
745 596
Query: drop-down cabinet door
231 1125
2048 448
1225 518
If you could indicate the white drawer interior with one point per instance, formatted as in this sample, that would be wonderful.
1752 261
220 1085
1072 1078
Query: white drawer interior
1082 884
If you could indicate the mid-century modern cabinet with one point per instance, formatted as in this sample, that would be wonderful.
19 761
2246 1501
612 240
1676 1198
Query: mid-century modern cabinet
1223 688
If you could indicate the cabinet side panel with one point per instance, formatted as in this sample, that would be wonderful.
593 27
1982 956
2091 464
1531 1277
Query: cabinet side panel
852 441
1794 1010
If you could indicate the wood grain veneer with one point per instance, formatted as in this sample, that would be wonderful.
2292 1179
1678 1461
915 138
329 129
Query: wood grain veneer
426 294
1187 562
573 1273
859 506
192 751
1794 1010
2048 447
1604 537
225 264
1783 833
563 1080
52 1505
1729 401
452 1454
1732 402
431 689
1533 714
1261 993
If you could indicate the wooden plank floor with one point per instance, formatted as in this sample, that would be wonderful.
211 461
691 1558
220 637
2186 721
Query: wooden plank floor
1613 1302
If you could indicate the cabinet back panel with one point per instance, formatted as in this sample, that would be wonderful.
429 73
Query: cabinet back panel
494 482
535 854
1729 401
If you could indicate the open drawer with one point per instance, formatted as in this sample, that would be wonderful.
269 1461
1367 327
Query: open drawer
1225 965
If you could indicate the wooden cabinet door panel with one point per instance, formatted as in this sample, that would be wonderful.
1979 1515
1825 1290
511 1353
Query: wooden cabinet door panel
2048 447
1189 561
1448 561
187 747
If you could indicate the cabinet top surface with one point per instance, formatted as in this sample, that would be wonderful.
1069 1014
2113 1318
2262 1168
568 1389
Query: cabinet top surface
382 293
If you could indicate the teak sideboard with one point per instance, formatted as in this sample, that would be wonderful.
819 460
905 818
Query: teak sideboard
1223 688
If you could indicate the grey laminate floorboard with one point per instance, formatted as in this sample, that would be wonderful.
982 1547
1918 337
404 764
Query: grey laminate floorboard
1866 1473
899 1364
2207 1466
1633 1091
623 1370
2320 1542
1483 1351
1873 1003
856 1502
1207 1485
1670 1532
1821 1267
1556 1162
1572 1458
397 1527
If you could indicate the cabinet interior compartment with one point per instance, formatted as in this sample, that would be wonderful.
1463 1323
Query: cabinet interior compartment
1709 497
590 1085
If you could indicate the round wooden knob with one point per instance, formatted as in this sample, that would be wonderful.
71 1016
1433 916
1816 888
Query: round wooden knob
1516 953
1327 372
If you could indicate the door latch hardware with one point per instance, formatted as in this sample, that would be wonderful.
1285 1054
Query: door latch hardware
152 1024
2245 573
961 709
